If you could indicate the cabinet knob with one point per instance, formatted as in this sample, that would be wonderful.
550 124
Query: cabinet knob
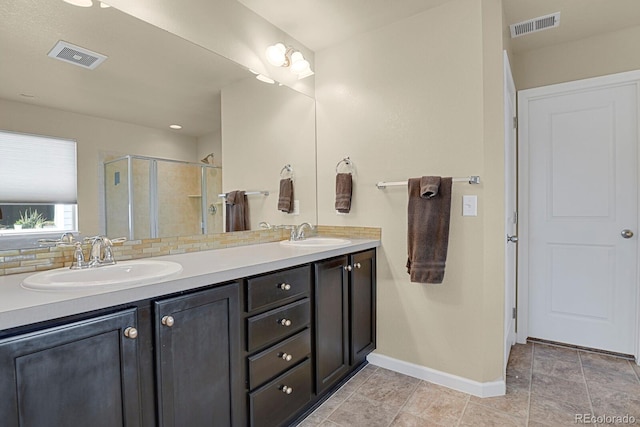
168 321
131 333
285 389
284 322
284 286
286 356
348 267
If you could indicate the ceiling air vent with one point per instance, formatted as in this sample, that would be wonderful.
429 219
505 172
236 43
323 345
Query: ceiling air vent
534 25
76 55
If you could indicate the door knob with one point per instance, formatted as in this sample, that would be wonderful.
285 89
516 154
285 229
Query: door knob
626 233
512 239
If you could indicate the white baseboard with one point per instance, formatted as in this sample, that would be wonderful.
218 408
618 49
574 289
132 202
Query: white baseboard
490 389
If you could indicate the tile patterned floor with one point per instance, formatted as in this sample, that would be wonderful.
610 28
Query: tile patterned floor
546 386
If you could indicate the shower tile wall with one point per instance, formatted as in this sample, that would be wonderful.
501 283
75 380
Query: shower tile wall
179 201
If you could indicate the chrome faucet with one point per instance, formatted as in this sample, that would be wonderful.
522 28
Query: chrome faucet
101 252
297 233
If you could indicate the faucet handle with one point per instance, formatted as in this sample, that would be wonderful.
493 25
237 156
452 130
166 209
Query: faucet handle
78 258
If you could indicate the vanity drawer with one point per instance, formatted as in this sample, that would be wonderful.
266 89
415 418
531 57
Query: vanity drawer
268 327
271 405
277 359
278 287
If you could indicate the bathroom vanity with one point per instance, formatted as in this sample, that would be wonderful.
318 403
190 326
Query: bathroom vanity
254 335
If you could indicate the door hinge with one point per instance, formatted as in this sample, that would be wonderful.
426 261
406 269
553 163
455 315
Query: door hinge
514 313
515 122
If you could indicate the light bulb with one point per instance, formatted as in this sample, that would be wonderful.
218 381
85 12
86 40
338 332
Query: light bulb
298 63
276 54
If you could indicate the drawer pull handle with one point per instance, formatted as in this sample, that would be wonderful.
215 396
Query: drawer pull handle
284 286
286 390
285 356
357 265
131 333
168 321
348 268
284 322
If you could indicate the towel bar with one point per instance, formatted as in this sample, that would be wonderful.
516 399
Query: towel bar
247 193
474 179
347 161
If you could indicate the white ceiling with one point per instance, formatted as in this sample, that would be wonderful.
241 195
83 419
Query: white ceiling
322 23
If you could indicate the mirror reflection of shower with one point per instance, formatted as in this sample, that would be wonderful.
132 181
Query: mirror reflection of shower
148 197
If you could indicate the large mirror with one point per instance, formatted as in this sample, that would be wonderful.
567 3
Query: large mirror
244 129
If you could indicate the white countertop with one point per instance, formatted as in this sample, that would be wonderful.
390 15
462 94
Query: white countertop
19 306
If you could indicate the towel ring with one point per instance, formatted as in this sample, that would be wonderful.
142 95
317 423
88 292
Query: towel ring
346 161
286 169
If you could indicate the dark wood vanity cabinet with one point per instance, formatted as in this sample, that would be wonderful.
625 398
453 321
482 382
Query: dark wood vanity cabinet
260 351
83 373
345 315
198 358
278 345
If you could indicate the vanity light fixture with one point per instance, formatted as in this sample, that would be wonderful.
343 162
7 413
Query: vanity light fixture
175 127
280 55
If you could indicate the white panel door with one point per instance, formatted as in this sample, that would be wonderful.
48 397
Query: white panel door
510 198
582 165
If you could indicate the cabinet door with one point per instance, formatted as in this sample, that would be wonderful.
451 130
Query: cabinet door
81 374
197 358
331 322
362 296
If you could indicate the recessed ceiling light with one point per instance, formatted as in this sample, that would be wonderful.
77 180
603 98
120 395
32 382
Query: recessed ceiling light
81 3
265 79
104 5
175 126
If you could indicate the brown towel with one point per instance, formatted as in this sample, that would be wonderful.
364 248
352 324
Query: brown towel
285 198
429 186
343 192
428 229
237 211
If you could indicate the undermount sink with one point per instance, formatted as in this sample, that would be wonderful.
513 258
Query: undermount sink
123 273
316 242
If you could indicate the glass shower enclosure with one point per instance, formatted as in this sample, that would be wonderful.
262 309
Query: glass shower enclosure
148 197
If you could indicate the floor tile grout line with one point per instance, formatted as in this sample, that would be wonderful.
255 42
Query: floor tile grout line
533 355
463 411
584 378
415 388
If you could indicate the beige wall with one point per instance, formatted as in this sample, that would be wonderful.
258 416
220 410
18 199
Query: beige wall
93 136
265 127
407 100
590 57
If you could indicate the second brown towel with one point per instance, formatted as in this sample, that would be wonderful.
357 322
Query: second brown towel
237 211
429 213
285 197
344 190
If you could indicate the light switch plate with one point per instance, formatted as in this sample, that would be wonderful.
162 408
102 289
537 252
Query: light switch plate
296 207
470 205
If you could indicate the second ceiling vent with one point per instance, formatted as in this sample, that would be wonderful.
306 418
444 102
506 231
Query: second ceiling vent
534 25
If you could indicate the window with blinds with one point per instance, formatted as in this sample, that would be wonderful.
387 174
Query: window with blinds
38 184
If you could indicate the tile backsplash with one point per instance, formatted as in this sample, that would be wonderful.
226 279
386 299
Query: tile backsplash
38 259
